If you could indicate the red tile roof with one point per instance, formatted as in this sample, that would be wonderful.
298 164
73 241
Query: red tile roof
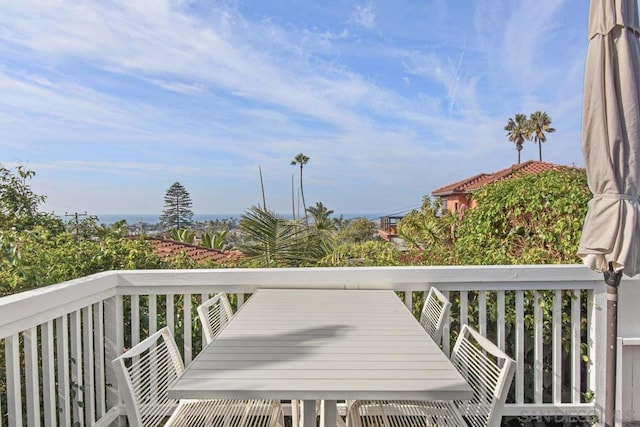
167 249
478 181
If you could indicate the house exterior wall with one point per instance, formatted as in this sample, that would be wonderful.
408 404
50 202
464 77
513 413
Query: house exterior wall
455 202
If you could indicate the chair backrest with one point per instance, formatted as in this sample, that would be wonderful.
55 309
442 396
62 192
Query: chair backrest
435 314
489 371
214 315
144 374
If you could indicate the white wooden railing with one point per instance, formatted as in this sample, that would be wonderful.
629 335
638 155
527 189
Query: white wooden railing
57 342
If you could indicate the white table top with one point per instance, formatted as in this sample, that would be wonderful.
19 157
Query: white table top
322 344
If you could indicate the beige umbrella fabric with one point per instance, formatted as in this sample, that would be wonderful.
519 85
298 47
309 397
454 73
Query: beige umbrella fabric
611 137
611 147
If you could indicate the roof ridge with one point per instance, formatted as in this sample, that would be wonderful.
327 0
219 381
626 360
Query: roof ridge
478 181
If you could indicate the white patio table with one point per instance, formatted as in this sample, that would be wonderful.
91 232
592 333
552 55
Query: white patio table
322 345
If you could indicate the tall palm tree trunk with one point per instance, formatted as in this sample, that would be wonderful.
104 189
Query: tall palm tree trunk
540 150
304 205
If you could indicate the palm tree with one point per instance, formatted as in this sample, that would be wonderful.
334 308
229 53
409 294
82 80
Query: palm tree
540 123
301 160
323 229
518 130
273 241
320 215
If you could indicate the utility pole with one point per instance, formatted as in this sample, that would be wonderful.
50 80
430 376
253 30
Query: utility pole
76 215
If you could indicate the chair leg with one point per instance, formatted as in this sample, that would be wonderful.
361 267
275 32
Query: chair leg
295 413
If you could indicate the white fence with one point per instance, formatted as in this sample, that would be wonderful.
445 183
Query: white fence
57 342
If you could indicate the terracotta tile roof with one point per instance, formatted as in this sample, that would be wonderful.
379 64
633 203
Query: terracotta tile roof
478 181
166 249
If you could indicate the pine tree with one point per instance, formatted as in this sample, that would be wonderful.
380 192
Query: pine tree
177 211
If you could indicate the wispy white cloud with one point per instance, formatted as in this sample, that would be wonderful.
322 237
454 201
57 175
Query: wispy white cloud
364 16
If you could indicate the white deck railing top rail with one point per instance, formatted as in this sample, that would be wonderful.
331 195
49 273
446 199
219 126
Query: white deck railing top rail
57 342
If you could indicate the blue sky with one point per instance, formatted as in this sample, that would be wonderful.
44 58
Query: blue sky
111 101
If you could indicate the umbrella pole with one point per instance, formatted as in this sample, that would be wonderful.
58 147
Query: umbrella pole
612 279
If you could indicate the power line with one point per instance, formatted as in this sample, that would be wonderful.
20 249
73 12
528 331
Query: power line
400 211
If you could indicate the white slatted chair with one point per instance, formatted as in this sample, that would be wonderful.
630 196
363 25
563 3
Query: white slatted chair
146 372
214 314
435 314
488 370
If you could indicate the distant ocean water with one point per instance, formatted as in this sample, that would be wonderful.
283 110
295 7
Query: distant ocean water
153 219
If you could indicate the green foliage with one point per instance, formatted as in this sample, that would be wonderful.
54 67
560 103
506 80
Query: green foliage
427 228
429 234
183 236
321 217
532 219
357 230
371 253
19 204
214 240
273 241
40 257
37 250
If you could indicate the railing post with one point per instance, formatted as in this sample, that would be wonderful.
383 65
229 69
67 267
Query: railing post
14 394
113 346
598 348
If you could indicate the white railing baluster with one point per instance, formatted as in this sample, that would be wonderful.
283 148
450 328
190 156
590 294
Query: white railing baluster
171 314
240 299
14 393
135 320
98 325
556 369
62 352
464 308
500 325
538 370
32 380
203 340
88 348
408 299
113 344
188 329
77 397
48 375
519 377
482 312
153 315
576 356
446 333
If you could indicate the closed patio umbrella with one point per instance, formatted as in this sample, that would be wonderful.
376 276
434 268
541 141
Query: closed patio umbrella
611 146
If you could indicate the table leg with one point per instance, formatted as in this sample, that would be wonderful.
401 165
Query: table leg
328 413
308 413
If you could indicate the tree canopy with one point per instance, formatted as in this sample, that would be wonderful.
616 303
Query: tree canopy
19 205
177 211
